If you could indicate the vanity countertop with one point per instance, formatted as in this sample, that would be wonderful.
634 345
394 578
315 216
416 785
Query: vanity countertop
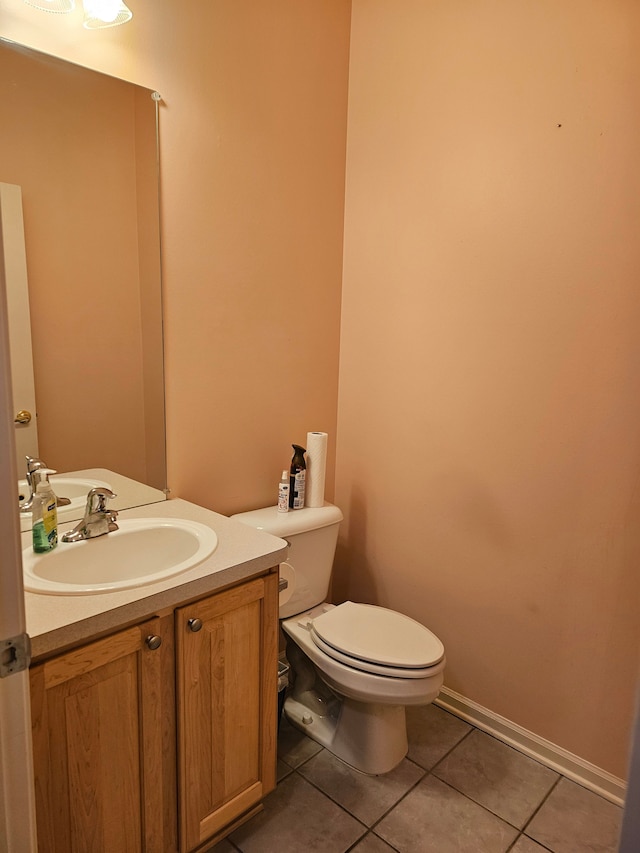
55 622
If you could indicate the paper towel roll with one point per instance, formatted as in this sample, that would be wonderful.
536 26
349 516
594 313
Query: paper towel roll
316 466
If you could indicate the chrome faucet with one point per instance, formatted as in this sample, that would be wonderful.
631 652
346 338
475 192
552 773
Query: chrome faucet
33 477
98 519
34 465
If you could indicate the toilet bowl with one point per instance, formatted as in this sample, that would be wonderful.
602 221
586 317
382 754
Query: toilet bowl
355 667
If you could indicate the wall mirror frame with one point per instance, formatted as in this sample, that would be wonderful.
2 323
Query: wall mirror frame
84 148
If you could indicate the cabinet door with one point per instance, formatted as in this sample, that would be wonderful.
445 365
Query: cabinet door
227 649
104 744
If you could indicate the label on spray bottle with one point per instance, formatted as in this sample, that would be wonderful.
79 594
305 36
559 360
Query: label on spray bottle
299 484
283 493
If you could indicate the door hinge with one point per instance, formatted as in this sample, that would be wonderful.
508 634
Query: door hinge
15 654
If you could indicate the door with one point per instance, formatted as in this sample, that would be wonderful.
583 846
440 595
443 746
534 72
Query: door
227 654
15 261
17 804
103 744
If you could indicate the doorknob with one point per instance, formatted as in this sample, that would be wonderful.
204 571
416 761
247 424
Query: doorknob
23 417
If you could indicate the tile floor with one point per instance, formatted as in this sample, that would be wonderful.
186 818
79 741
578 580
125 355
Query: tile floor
458 790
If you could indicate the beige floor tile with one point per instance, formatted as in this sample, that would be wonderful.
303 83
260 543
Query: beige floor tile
574 820
432 732
223 847
366 797
497 777
297 818
526 845
282 770
434 818
294 747
372 844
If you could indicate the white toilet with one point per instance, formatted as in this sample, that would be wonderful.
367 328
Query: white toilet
355 666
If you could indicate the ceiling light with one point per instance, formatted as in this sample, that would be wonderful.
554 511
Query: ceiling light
104 13
60 6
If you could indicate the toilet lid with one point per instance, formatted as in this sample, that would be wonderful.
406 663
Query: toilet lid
363 632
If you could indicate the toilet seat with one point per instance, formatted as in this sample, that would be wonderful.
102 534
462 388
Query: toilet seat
377 640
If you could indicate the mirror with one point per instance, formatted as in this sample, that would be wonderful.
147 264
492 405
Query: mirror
83 148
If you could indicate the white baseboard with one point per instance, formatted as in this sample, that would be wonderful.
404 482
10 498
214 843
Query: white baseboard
547 753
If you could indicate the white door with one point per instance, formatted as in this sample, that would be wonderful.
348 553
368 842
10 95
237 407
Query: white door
17 798
15 263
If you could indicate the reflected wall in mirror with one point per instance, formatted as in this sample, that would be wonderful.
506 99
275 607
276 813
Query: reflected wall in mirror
83 148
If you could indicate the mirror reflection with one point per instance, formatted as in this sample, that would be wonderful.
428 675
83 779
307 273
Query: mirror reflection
82 149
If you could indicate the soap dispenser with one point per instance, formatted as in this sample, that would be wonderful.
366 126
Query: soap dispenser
44 514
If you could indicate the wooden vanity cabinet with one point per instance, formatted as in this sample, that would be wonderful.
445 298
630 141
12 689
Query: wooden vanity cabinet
227 650
104 744
118 769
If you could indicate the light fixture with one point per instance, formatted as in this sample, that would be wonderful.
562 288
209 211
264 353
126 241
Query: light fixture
104 13
97 13
59 6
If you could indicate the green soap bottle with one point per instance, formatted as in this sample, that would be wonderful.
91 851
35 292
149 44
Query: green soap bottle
45 515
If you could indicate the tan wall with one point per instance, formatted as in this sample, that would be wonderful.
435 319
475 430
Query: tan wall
489 440
253 155
488 406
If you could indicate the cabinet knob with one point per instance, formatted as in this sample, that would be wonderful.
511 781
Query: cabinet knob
194 625
153 642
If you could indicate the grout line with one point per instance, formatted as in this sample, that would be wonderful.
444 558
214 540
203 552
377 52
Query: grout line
480 805
528 838
485 807
380 838
329 797
403 797
455 746
544 800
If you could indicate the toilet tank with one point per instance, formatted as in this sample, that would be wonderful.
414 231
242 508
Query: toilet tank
312 534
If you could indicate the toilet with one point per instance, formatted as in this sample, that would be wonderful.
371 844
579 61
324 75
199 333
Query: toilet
355 667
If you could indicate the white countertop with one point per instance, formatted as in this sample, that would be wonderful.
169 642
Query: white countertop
55 622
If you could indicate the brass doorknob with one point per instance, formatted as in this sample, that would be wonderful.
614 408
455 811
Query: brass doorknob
154 642
23 417
194 625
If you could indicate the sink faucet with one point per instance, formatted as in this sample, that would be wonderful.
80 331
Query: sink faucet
33 466
97 520
33 477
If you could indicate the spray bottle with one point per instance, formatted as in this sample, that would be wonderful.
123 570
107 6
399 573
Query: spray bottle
283 492
297 478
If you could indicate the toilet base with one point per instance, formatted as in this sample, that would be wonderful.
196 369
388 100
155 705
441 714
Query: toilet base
371 738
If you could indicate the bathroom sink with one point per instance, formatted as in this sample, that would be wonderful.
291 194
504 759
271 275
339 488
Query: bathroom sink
142 551
74 488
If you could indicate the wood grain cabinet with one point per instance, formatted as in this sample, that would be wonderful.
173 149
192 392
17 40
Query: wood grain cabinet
118 769
227 648
102 717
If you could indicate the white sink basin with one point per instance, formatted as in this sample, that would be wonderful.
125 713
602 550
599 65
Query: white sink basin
142 551
74 488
